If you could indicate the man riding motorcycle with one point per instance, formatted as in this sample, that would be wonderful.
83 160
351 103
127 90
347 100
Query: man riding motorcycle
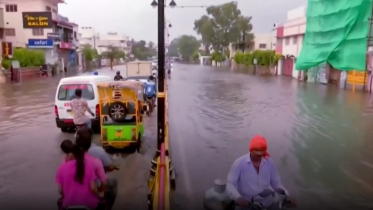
118 77
150 92
256 165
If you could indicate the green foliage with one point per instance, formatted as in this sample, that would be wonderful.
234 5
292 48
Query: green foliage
222 25
113 53
263 57
6 63
173 48
196 55
187 46
89 52
26 58
142 52
218 57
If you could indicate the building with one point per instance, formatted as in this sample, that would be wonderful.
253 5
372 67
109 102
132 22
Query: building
263 42
289 41
38 25
87 35
115 40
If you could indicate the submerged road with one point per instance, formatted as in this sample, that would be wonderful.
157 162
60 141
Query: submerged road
30 153
319 137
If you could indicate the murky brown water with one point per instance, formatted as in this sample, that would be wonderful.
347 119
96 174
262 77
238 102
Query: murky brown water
319 137
30 154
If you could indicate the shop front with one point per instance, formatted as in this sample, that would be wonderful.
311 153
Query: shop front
47 45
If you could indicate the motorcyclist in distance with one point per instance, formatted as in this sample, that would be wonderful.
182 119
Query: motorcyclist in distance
118 77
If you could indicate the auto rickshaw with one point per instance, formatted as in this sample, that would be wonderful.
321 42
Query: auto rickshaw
121 121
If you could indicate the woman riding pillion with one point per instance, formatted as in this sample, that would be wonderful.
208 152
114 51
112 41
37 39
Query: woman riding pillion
76 181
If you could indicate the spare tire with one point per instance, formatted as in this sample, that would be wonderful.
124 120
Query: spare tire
118 111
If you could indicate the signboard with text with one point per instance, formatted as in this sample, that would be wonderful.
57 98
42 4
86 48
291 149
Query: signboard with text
40 43
37 20
7 49
356 77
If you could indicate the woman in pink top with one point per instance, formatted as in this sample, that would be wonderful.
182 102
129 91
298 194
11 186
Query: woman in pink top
76 181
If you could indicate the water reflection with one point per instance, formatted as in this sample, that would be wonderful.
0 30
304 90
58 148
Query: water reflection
329 135
319 136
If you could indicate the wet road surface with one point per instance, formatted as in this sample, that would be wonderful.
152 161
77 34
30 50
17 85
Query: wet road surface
30 153
319 137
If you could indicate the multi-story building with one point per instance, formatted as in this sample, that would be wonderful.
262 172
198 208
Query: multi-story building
290 39
87 35
115 40
37 24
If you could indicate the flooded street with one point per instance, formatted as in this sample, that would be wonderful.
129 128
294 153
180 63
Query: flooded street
30 150
319 137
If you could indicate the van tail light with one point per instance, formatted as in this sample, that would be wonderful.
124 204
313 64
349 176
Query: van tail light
97 110
56 111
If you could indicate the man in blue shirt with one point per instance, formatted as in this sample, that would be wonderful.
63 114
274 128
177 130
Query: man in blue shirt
253 173
150 92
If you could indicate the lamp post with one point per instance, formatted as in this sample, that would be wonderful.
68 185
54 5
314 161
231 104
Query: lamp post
161 68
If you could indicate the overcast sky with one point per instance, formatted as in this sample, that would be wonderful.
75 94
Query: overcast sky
138 20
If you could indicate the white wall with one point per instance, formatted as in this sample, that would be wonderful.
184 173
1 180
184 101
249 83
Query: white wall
265 39
14 20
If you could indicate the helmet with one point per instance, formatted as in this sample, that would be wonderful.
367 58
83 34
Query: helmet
118 72
95 73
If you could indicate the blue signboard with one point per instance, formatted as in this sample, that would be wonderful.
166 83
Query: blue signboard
72 56
40 43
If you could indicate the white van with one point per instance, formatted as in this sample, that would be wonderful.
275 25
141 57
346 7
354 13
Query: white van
65 93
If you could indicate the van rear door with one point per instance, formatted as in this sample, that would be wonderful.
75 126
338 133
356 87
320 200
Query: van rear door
66 93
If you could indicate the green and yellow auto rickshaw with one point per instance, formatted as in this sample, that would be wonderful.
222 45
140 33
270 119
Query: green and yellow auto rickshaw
121 120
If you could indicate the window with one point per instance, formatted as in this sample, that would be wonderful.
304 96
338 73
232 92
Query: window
262 46
74 34
295 40
67 92
9 32
287 40
38 32
11 8
48 8
54 11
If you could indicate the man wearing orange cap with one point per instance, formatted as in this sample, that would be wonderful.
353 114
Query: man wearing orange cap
253 173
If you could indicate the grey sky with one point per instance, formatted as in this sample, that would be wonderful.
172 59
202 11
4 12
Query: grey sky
137 19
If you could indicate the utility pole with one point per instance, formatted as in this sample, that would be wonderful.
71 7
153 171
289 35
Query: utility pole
161 73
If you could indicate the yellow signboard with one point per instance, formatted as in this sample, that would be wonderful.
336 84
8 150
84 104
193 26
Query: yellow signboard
356 77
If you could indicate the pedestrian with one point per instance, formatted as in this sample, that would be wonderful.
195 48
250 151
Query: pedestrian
79 106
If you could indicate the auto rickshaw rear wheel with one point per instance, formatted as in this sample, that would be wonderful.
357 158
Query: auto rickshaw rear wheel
118 111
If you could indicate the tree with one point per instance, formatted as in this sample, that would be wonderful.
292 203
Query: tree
222 25
187 46
141 52
89 52
112 53
173 48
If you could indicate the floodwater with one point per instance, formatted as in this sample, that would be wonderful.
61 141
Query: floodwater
30 153
319 137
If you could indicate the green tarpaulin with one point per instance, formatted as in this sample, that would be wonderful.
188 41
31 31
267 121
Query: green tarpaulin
336 33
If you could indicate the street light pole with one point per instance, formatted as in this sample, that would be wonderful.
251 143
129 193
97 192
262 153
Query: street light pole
161 73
